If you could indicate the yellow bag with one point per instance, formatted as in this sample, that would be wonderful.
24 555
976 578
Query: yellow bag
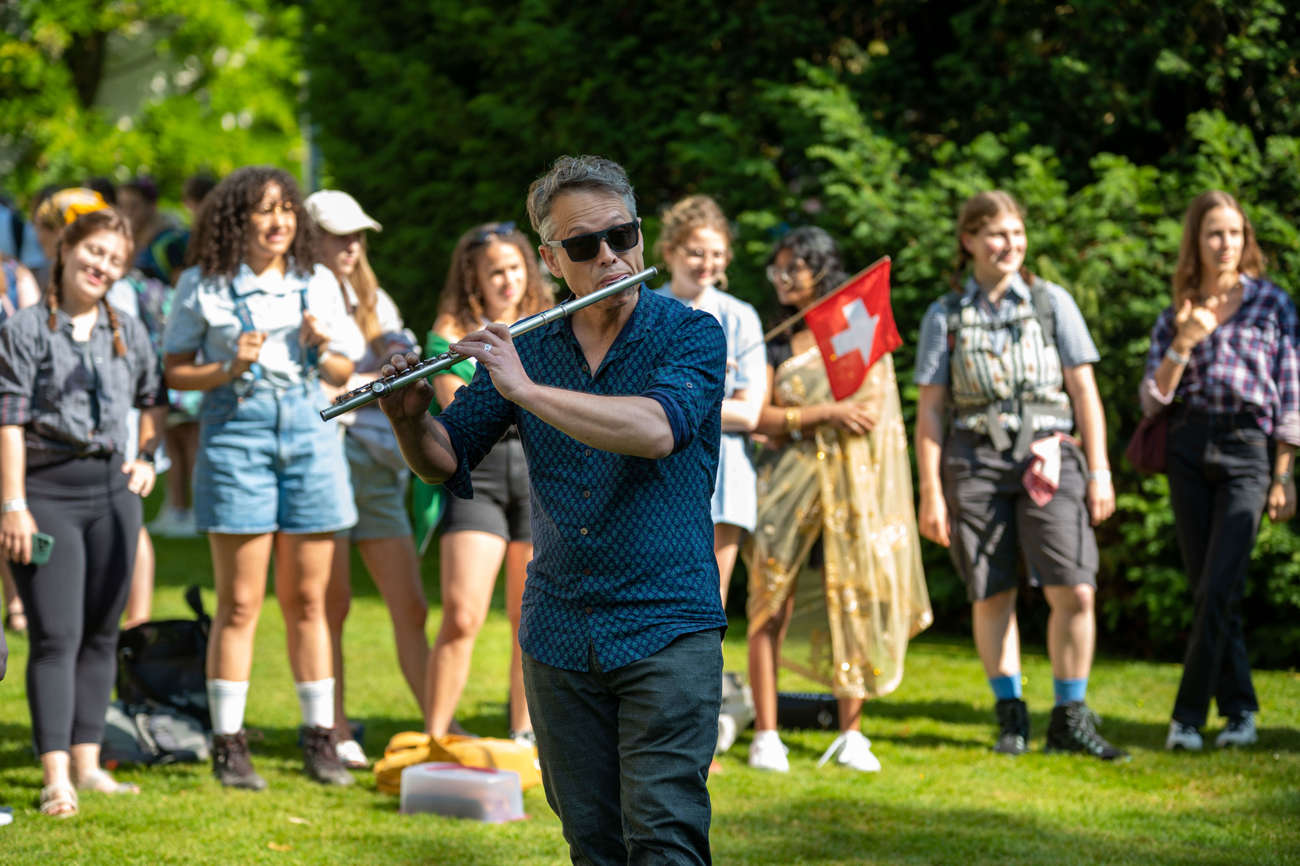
413 747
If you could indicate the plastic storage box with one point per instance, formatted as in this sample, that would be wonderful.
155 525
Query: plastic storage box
462 792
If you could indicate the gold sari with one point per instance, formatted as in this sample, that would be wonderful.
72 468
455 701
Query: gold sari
852 621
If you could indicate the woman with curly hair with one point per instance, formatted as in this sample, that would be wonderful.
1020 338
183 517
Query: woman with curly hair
270 477
494 277
70 369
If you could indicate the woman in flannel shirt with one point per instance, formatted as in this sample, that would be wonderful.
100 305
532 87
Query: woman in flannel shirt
1223 354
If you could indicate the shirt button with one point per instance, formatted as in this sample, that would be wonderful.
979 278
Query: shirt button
586 571
586 494
586 453
586 610
582 531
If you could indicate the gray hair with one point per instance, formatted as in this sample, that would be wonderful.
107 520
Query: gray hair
576 172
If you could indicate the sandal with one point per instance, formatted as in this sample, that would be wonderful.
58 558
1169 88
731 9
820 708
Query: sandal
101 782
58 801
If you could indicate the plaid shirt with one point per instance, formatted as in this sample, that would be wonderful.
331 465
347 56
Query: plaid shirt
1248 364
622 546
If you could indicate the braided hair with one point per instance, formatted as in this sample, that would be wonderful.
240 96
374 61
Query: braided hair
106 219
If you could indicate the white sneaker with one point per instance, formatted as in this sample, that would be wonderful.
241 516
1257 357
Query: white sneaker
853 750
351 755
767 752
1240 732
726 733
1183 737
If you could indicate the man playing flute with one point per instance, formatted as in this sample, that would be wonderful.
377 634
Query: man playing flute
618 409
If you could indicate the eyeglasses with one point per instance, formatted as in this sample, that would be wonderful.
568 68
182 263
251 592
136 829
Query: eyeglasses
491 233
583 248
780 277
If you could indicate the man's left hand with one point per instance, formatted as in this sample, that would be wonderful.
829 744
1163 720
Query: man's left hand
494 349
1281 501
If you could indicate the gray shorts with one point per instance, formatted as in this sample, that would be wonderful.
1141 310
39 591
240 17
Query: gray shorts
991 518
380 494
502 503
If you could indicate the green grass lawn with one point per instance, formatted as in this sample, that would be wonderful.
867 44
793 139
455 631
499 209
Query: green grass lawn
943 797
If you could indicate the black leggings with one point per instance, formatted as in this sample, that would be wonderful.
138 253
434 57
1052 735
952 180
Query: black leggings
74 602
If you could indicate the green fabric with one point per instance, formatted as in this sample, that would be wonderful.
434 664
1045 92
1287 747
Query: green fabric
429 501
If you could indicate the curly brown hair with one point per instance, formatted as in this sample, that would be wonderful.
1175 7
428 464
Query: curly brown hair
462 298
221 228
106 219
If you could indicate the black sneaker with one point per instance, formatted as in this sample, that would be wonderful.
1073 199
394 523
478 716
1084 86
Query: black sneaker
320 757
232 764
1013 721
1074 729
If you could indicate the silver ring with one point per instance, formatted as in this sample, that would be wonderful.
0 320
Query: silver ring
487 347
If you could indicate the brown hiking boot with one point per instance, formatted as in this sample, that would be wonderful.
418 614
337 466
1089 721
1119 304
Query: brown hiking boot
320 756
232 764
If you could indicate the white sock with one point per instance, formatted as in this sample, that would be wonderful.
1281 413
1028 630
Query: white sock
317 702
226 702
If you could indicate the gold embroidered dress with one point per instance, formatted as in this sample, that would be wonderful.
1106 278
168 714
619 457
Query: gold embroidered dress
852 619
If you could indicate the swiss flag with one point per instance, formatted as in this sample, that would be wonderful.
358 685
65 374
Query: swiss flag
854 326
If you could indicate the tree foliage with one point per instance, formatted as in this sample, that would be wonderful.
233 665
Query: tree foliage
167 87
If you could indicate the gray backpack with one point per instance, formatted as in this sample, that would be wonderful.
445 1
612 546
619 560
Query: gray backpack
152 735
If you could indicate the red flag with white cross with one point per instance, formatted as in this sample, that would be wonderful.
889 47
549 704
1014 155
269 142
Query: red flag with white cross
854 326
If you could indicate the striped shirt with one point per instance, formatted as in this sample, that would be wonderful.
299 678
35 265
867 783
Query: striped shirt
1247 365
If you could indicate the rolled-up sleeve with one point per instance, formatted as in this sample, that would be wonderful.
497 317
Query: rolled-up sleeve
689 382
475 421
932 348
1286 373
1149 395
186 323
17 374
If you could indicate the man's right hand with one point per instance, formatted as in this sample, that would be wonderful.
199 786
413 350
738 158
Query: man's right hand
410 403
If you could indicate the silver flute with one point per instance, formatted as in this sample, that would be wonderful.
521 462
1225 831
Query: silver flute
372 391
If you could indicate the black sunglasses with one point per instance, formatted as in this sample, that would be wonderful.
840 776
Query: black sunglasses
492 232
583 248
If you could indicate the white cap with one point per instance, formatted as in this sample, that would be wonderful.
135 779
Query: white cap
338 213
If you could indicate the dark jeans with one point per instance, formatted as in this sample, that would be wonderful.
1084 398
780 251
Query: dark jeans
625 753
1219 472
74 601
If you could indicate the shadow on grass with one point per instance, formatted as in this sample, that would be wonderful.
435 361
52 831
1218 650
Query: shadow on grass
856 830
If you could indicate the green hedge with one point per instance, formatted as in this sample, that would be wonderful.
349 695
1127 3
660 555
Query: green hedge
874 120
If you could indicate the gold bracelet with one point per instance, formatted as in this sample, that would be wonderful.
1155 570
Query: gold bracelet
794 422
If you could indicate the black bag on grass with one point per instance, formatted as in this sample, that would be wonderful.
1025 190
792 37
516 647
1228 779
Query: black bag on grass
160 664
808 710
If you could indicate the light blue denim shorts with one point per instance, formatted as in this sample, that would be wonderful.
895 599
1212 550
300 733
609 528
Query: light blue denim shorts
379 491
268 463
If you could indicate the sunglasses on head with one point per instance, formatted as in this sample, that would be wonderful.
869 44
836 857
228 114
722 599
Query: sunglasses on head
582 248
491 233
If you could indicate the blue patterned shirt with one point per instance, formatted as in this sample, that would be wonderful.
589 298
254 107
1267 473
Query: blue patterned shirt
622 546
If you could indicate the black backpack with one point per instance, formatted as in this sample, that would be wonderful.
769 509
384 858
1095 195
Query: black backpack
161 663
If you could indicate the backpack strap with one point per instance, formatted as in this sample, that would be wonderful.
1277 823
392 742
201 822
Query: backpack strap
1044 312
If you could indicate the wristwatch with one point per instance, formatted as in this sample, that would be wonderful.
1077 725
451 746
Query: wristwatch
1281 477
145 457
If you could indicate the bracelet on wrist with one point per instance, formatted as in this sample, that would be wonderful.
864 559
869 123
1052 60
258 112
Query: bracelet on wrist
1281 477
13 505
1180 360
794 422
1099 475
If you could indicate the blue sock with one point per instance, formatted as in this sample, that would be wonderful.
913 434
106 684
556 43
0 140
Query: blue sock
1006 688
1069 690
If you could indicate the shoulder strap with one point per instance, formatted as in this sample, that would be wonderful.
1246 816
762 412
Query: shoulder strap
952 314
1043 310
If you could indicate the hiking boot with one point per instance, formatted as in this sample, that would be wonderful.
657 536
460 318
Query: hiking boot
1013 724
1073 728
320 757
1184 737
1240 732
232 764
